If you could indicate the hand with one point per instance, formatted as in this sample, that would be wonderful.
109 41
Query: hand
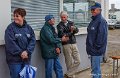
65 39
24 55
58 51
72 28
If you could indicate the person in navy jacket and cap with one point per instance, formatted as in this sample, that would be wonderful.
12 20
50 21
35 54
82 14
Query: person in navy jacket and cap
19 43
96 41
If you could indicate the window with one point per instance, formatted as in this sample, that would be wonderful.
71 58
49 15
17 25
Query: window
37 10
78 11
111 16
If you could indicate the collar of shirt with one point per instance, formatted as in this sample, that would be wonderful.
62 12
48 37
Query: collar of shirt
66 23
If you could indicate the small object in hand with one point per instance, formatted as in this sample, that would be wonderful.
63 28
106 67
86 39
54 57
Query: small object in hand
72 28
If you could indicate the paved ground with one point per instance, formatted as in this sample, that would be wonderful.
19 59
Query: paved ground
106 72
113 49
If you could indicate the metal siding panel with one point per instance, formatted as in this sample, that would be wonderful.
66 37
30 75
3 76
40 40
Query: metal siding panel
37 10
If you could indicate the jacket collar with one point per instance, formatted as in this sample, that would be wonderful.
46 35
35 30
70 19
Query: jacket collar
48 25
24 24
97 16
66 22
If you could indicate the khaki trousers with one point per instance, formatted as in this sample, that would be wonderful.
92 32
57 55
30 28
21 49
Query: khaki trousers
72 57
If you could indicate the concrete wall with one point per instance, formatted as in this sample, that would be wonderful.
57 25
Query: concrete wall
5 17
106 4
38 62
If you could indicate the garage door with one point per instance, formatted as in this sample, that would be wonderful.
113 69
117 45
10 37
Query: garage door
36 10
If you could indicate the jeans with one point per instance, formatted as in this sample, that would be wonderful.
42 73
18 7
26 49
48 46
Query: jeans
95 66
53 64
15 70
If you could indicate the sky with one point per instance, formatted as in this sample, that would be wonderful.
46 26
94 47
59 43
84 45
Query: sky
116 2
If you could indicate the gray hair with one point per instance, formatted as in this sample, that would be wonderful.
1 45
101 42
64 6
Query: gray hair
63 13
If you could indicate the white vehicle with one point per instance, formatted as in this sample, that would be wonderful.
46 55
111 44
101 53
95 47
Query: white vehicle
111 23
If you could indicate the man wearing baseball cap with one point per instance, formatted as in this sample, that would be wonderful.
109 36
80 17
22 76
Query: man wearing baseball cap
50 48
96 41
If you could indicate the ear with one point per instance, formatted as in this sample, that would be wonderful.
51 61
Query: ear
49 20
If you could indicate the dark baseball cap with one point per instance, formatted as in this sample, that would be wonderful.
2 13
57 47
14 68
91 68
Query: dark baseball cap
48 17
95 5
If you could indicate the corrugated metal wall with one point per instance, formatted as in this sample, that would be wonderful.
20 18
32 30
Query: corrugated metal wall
37 10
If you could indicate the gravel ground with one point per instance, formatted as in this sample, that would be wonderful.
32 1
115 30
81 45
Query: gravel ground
114 42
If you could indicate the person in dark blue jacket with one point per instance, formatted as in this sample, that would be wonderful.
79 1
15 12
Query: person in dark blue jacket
96 41
19 43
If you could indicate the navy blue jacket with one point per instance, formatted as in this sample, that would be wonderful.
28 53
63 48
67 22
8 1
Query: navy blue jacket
18 39
96 41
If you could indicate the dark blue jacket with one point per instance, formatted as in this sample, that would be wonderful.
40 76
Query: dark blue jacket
96 41
18 39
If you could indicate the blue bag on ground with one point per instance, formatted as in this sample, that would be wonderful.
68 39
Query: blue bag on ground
28 72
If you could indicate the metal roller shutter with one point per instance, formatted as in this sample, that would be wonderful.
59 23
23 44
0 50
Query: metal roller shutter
36 10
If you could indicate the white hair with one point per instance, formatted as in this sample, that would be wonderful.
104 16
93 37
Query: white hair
63 13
